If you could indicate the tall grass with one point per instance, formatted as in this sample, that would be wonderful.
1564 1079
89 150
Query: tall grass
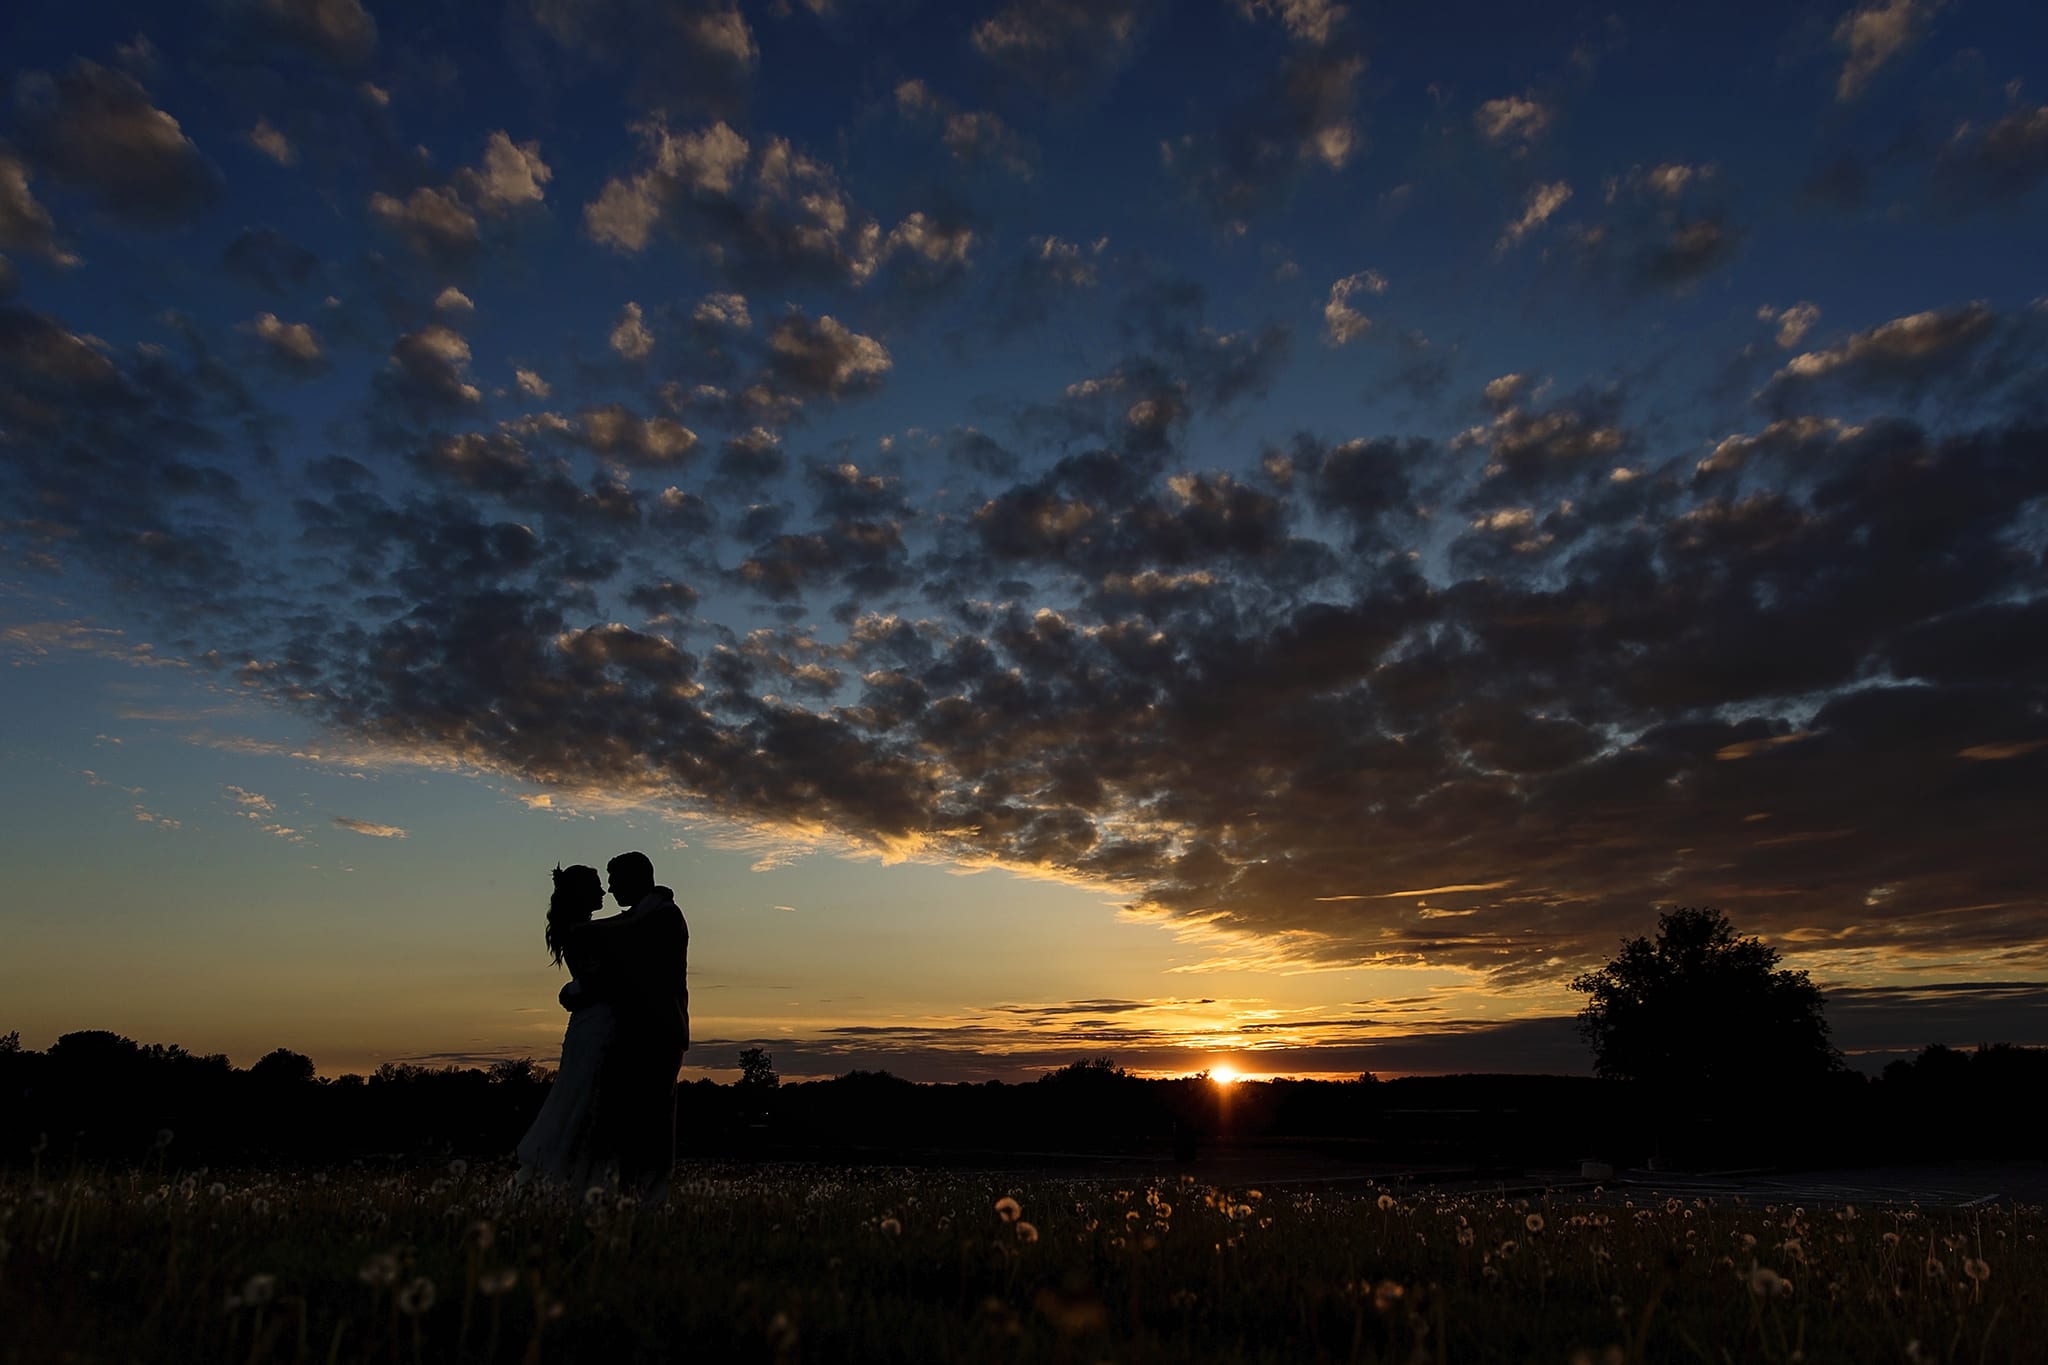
794 1264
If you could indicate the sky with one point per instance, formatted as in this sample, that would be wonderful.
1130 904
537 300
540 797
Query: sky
1268 533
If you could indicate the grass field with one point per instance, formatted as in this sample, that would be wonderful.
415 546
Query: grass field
791 1264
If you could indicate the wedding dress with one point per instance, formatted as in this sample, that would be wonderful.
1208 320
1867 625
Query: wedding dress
567 1144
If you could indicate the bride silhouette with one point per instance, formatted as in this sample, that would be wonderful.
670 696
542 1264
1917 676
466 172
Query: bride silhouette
570 1140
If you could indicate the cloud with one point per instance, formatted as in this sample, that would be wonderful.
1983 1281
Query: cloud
445 223
429 370
97 130
1062 48
1872 35
1513 120
1665 226
1998 165
269 260
1309 21
531 384
1343 324
434 222
971 135
723 310
765 213
677 54
614 432
825 357
273 144
292 344
1542 201
368 828
25 225
1912 349
1793 322
510 174
1304 118
630 337
337 31
453 300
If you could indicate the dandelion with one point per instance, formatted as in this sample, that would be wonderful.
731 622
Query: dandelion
216 1189
1465 1237
594 1196
1009 1210
458 1168
1387 1295
258 1290
163 1138
1163 1209
1534 1222
380 1270
1026 1232
1508 1249
496 1282
417 1297
1764 1282
259 1206
891 1227
1976 1269
1386 1202
1891 1239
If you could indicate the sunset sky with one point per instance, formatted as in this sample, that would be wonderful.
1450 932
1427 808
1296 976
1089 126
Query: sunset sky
1267 532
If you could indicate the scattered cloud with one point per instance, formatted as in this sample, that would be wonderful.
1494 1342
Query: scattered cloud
368 828
1342 323
1541 202
1871 35
272 143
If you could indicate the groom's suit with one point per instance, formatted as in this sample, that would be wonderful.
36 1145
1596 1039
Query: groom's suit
645 961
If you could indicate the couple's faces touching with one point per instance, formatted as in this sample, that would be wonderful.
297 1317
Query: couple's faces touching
626 887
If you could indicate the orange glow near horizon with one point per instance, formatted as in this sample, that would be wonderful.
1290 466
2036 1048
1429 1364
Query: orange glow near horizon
1223 1075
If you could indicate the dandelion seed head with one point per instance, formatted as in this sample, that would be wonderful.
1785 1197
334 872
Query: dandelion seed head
1009 1210
1977 1269
1386 1202
891 1227
1026 1232
496 1282
1534 1222
379 1271
458 1168
417 1297
258 1290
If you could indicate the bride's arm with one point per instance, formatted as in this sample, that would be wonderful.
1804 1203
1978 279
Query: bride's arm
590 980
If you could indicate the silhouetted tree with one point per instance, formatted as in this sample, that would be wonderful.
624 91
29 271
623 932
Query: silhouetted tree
1700 1010
10 1041
757 1070
282 1067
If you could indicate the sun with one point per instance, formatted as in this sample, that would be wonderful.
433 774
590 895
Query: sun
1223 1075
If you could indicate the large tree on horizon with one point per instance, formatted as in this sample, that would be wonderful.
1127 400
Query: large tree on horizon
1703 1008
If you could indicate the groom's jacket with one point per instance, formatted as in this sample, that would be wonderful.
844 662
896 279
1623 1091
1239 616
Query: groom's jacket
645 956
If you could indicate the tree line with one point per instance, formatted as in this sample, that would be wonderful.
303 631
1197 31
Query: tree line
95 1095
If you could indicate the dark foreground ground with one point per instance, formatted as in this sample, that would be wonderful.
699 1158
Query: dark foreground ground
1245 1254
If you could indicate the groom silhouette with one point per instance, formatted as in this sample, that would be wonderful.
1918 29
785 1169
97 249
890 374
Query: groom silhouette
645 950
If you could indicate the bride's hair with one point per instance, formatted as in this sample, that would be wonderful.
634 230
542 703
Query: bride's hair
578 891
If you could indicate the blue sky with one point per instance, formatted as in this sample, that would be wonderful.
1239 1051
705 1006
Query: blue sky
1264 529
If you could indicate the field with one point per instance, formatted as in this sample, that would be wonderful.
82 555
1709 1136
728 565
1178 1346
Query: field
793 1264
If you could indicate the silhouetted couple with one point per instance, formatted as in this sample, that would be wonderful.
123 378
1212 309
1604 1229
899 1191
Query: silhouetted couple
612 1111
